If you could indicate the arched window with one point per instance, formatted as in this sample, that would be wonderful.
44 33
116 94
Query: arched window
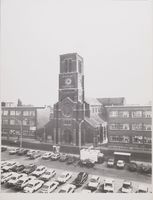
80 66
66 66
70 65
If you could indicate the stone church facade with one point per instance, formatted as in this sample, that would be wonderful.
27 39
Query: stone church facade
76 121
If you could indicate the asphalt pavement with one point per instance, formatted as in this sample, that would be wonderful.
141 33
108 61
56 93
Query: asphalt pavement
100 169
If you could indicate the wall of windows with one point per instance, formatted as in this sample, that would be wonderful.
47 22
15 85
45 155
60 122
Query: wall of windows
136 114
120 139
119 127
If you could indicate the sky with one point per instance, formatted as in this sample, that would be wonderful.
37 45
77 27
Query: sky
114 37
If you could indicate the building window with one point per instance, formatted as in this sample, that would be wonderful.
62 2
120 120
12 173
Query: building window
137 114
137 139
12 112
32 113
137 127
18 112
80 66
147 140
25 122
5 121
124 114
31 123
67 122
12 132
5 112
147 114
147 127
119 127
65 65
25 113
120 139
12 122
113 114
70 65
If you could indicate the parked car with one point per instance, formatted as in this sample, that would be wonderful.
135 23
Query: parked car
48 175
18 167
55 156
14 151
6 176
64 177
69 188
49 187
63 157
70 160
29 168
85 191
120 164
145 169
94 182
3 148
34 156
4 163
142 189
110 163
30 152
23 182
13 180
39 171
9 166
109 185
80 179
127 187
86 163
47 155
132 167
22 152
33 186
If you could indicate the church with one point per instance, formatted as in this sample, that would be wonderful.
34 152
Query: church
77 121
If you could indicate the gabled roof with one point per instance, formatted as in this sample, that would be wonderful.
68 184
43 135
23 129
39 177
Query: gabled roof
92 101
94 120
112 101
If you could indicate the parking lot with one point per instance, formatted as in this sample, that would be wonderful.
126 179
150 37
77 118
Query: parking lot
100 169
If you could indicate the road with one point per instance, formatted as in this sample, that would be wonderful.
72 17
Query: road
100 169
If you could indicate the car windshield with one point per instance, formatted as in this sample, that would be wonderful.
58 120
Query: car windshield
10 164
125 185
38 169
30 185
14 178
47 173
93 180
108 184
62 191
45 187
20 181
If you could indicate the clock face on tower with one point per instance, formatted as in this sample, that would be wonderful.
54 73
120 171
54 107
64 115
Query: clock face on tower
67 110
68 81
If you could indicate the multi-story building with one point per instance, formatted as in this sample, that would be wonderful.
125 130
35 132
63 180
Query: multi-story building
129 127
17 119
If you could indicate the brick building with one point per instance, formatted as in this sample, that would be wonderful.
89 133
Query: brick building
129 127
17 119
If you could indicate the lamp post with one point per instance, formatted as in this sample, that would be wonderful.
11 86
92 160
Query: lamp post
80 123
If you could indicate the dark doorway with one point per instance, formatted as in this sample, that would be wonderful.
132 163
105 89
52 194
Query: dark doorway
67 137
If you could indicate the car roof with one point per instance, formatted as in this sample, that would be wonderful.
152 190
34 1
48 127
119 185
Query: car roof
109 180
34 181
127 182
94 177
50 183
120 161
40 166
50 170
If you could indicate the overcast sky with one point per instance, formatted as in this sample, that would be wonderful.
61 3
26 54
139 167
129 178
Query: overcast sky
114 38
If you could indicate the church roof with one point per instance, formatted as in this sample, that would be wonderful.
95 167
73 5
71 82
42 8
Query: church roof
92 101
94 120
112 101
